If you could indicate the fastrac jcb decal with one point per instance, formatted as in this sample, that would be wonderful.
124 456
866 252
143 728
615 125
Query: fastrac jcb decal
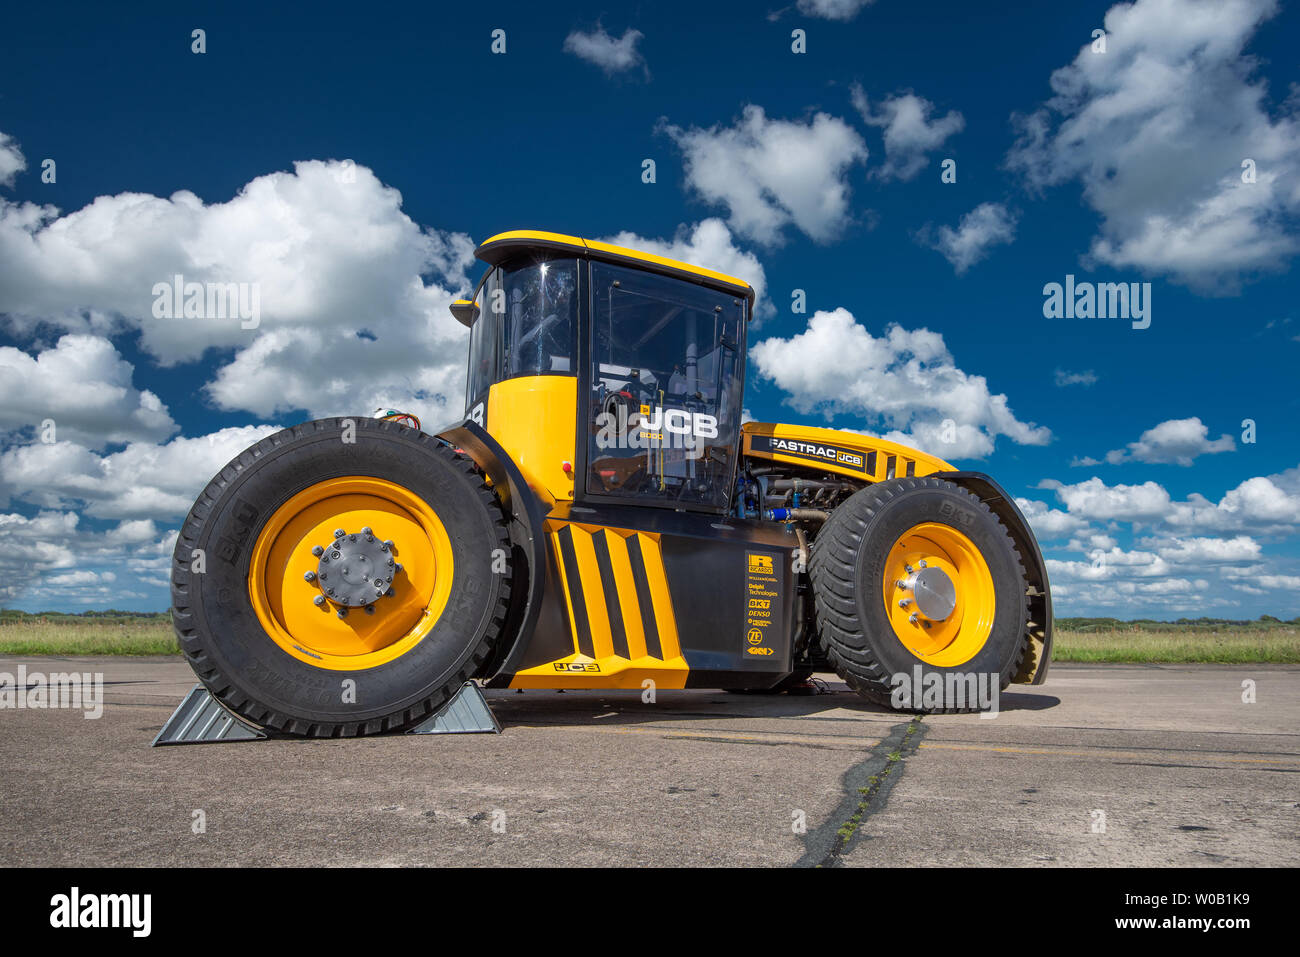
812 451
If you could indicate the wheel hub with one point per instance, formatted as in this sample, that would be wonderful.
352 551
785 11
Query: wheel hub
934 593
355 569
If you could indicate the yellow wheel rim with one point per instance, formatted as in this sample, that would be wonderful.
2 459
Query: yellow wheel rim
286 601
922 564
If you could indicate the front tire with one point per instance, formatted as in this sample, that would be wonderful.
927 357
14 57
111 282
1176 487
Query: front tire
914 578
303 631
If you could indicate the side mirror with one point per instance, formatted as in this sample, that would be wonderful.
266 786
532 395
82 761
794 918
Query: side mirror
465 311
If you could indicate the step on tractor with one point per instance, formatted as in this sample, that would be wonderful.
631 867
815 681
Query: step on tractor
603 517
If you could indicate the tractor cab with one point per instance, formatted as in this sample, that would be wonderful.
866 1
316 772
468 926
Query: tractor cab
647 351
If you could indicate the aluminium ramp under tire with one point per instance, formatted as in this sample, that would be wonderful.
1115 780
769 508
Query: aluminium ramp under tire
200 719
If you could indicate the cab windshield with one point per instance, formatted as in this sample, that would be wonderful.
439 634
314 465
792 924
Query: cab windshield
527 323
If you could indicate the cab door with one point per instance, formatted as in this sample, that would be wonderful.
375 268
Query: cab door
665 381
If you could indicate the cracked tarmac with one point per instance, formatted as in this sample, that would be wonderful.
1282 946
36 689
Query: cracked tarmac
1168 759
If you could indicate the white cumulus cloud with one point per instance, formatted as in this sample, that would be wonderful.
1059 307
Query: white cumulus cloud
905 380
1176 441
908 131
83 386
141 482
842 10
353 294
610 54
985 226
11 160
772 173
1156 129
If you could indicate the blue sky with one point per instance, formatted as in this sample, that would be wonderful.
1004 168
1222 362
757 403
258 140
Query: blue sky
817 171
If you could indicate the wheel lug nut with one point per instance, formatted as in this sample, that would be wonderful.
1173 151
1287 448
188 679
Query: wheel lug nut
398 566
921 563
317 551
904 602
339 533
370 609
912 618
365 530
901 583
318 600
388 543
309 576
342 613
908 569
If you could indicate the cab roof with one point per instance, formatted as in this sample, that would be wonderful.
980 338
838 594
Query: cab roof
503 246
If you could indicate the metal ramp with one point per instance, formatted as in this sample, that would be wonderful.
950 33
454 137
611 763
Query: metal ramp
200 719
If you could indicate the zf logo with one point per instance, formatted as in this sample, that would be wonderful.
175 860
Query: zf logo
588 666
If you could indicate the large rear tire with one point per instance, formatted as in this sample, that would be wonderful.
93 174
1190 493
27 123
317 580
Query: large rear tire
917 578
304 631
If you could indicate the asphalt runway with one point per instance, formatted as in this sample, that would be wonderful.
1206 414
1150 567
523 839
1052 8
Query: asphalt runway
1109 765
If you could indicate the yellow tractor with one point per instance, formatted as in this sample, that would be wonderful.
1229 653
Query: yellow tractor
603 517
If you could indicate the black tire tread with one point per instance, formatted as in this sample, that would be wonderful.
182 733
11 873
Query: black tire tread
832 570
193 643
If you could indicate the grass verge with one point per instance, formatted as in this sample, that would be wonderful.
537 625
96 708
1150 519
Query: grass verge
89 637
1225 644
1230 645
